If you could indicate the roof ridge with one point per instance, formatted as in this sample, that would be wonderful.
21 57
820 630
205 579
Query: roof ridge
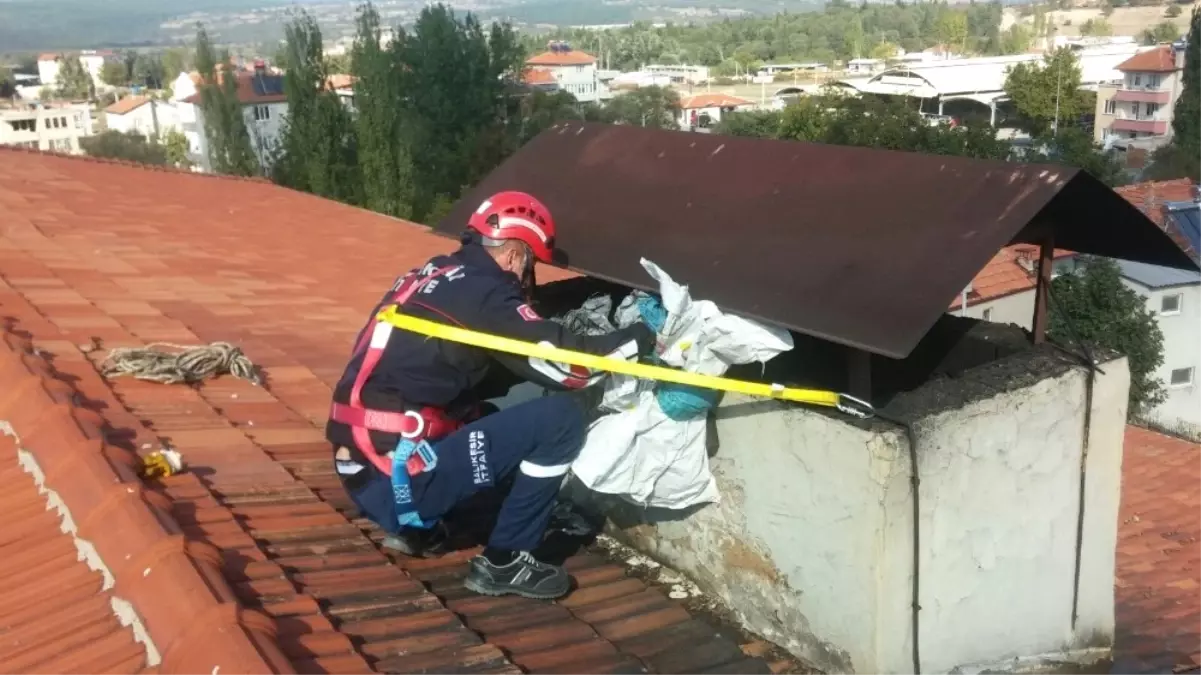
139 165
174 586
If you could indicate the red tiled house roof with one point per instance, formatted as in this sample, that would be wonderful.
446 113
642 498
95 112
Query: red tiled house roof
1150 198
1004 275
568 58
127 105
1158 588
1158 60
245 89
712 101
253 560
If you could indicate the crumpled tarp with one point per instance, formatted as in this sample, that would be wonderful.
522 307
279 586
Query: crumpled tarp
633 449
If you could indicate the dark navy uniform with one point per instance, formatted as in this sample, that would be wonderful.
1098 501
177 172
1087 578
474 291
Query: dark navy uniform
536 440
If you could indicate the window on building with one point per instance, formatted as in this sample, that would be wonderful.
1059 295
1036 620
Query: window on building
1138 79
262 113
1170 304
1111 106
1181 377
987 315
1135 108
60 144
24 125
1153 80
1152 108
78 121
62 123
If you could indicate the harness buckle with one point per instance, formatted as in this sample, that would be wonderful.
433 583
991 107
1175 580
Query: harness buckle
420 420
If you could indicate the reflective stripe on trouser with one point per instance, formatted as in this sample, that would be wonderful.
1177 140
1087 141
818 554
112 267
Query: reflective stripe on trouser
534 442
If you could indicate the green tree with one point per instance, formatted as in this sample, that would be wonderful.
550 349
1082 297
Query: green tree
951 29
1073 146
460 82
653 107
229 146
131 147
385 163
1097 27
148 71
1095 307
8 83
317 148
74 81
1186 119
175 147
1048 93
1164 31
1173 11
175 60
1016 40
113 73
839 120
540 110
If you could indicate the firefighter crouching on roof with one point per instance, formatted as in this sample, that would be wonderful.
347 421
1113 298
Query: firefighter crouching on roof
406 424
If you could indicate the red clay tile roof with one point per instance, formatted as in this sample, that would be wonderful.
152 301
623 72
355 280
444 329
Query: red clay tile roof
572 58
1150 197
127 105
246 93
535 76
339 81
1158 587
1158 60
1004 275
254 559
711 100
54 601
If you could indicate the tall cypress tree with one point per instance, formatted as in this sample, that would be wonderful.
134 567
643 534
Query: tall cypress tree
384 158
230 150
317 147
1186 117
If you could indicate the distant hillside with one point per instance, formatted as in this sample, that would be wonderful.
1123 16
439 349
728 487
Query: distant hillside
80 24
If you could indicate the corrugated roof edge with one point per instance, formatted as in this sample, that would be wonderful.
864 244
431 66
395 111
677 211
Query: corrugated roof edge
191 615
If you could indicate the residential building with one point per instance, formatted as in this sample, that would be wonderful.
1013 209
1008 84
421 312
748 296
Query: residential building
1003 292
574 71
678 73
264 107
1174 296
702 111
55 128
864 66
93 62
185 85
342 85
143 115
540 79
1138 106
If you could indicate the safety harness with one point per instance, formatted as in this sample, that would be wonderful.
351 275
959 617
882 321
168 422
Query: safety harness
413 454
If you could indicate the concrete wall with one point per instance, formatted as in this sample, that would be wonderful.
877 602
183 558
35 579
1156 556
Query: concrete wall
812 545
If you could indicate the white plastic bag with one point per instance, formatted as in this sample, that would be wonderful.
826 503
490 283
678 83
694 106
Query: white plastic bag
637 451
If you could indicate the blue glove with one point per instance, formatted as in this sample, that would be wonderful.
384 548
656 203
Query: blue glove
653 313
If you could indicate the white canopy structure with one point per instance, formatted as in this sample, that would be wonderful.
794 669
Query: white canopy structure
983 79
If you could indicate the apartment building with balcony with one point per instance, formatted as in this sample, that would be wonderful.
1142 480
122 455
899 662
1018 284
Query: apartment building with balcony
1137 110
43 127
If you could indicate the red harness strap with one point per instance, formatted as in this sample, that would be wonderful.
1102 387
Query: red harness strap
426 423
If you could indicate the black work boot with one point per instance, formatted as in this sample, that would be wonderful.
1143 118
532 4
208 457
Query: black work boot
524 575
418 543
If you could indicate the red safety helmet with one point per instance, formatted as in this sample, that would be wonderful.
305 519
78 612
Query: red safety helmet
516 215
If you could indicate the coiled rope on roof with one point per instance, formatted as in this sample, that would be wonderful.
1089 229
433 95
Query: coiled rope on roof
187 364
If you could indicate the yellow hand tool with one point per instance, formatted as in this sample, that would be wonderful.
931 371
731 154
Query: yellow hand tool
844 402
